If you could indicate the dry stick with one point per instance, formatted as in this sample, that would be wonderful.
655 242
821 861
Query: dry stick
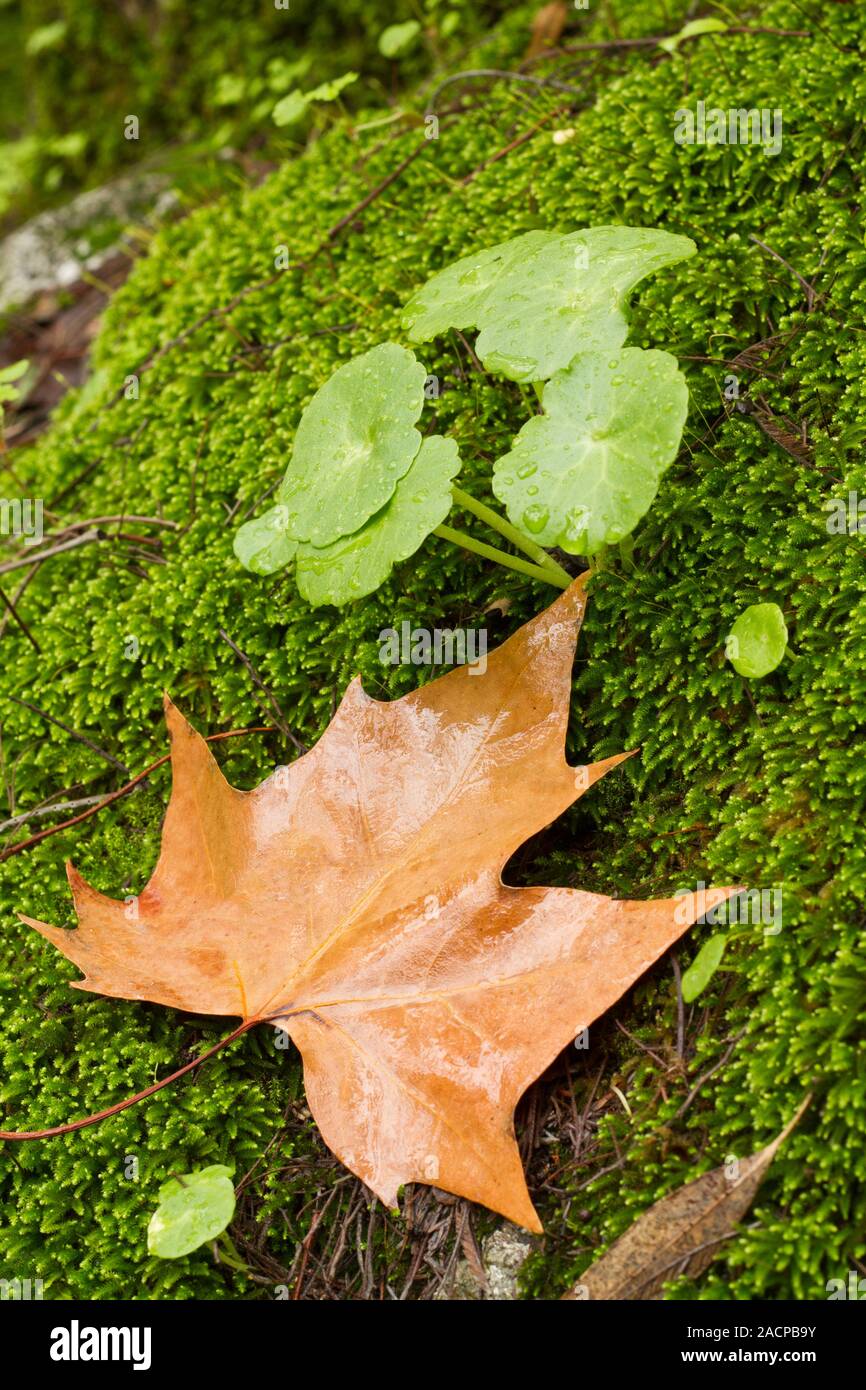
85 539
82 738
122 517
365 202
281 342
95 523
122 791
48 811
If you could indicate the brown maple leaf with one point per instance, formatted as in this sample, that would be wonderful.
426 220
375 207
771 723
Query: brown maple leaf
355 899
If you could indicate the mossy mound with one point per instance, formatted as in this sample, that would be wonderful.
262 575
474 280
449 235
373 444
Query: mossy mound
760 785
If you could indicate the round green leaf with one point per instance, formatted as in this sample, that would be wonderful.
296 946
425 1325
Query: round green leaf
703 967
570 297
263 545
582 475
356 565
455 297
544 297
757 642
398 37
356 440
191 1212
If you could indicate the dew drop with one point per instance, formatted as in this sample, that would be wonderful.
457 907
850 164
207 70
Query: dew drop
576 523
535 518
526 470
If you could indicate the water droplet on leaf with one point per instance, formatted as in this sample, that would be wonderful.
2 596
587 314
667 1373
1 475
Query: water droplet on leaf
535 518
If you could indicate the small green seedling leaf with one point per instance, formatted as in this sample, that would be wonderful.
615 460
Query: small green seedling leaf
294 104
290 108
15 370
45 37
281 73
758 640
691 31
356 440
398 37
229 89
8 377
539 302
703 967
191 1211
329 91
356 565
263 545
582 475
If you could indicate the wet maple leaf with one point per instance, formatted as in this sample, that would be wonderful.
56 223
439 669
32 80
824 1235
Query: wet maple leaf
355 899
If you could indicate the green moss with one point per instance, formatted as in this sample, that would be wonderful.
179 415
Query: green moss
760 786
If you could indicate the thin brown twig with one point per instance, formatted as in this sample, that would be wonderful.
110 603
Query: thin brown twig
26 816
115 796
81 738
279 717
711 1071
30 575
501 75
522 139
681 1008
9 605
36 557
810 289
73 1125
653 42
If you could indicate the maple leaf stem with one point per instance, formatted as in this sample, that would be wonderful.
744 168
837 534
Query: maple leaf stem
509 532
131 1100
501 557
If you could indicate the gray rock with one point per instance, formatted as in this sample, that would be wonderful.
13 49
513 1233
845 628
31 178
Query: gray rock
51 251
503 1254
